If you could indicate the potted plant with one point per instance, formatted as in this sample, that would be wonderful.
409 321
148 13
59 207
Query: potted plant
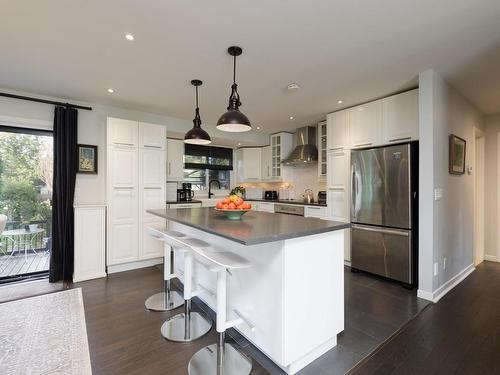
239 191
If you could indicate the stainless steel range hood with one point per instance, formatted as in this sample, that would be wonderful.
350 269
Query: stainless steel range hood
305 151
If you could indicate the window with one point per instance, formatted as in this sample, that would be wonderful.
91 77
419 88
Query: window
25 202
206 163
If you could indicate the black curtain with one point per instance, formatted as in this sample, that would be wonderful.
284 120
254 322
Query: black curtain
65 167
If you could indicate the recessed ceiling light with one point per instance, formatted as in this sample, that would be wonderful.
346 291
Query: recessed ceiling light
291 117
293 86
258 127
129 36
111 91
239 143
339 101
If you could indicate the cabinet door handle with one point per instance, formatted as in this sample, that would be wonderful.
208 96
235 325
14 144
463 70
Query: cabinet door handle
400 139
123 144
154 147
363 144
337 148
169 168
313 208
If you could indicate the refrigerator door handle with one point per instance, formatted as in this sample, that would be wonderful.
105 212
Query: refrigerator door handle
380 230
353 192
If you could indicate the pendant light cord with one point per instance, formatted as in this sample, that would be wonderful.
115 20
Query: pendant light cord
234 70
196 96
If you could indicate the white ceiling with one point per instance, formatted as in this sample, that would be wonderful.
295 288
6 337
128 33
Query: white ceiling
353 50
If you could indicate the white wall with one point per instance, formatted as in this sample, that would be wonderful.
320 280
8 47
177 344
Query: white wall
90 189
446 225
492 154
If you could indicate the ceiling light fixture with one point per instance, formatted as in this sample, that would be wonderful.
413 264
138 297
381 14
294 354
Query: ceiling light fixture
129 36
197 136
233 120
111 91
258 127
339 101
293 86
291 117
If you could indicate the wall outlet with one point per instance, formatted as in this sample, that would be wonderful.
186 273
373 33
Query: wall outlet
444 263
436 268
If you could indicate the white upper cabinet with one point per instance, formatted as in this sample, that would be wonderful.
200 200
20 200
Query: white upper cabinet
266 163
365 124
338 130
152 136
249 163
400 117
175 160
338 165
122 132
281 146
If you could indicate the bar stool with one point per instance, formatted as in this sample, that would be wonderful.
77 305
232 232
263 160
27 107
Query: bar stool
221 358
168 299
189 325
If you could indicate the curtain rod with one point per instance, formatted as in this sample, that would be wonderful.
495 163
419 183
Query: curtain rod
13 96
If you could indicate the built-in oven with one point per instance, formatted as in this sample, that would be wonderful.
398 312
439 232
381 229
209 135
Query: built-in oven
290 209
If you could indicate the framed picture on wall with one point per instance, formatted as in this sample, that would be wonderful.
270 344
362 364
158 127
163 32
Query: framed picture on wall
457 155
87 159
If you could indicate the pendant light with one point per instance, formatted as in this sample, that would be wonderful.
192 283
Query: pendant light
233 120
197 136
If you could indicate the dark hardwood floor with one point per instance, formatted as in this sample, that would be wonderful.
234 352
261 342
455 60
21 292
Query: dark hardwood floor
458 335
124 338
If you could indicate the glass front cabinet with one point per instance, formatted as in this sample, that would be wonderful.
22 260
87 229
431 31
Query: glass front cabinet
281 146
322 149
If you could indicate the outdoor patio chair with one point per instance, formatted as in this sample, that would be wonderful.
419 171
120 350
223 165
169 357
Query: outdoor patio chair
3 223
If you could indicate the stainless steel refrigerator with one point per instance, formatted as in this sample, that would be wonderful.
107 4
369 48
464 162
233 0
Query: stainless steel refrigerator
384 211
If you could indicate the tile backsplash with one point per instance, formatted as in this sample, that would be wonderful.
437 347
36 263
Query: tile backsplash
298 179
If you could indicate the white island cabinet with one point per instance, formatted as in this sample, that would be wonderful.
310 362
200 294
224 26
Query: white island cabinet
293 292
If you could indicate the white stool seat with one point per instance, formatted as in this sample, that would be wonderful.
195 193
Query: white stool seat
225 259
195 243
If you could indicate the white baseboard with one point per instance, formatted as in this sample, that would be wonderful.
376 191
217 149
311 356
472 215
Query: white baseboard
79 278
134 265
447 286
491 258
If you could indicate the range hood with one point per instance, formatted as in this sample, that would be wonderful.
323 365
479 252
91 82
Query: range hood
305 151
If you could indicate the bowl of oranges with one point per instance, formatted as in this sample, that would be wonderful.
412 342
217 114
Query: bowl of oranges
233 207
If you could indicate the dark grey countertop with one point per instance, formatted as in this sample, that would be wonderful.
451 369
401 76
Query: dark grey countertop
288 201
254 227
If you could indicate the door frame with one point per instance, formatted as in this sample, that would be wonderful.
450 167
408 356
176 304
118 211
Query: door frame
479 198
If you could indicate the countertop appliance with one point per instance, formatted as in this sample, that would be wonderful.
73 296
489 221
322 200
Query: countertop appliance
185 194
290 209
271 195
322 197
384 184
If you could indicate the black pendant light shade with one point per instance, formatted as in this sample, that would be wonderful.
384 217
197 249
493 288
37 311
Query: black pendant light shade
197 135
233 120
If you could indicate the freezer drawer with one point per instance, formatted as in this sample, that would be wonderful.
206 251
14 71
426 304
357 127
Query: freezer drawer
382 251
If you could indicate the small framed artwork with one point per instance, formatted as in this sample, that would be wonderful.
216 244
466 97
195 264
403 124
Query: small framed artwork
457 155
87 159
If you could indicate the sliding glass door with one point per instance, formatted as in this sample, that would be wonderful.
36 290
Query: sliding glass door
26 163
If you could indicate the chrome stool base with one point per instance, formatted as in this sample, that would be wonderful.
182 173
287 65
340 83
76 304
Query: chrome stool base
186 327
164 301
204 362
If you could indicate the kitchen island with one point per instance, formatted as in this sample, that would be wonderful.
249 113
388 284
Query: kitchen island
294 292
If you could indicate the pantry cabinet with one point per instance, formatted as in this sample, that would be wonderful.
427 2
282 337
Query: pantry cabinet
266 163
136 176
338 166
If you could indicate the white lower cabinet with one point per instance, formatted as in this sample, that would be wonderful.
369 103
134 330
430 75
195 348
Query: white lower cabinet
264 206
337 205
90 242
316 211
122 229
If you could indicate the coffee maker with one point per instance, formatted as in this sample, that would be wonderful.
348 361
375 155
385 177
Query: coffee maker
186 193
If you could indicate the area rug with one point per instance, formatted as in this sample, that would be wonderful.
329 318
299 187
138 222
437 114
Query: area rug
44 335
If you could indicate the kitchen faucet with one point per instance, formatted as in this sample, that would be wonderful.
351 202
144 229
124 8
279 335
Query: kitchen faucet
210 188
